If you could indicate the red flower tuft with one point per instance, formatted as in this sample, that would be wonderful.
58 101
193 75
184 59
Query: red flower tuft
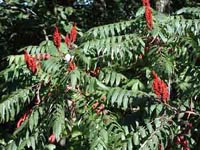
160 88
148 13
56 37
31 62
52 138
71 66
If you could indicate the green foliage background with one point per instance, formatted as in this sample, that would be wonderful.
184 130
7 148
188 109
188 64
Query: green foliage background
112 38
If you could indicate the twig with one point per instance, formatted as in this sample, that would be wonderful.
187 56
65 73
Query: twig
45 34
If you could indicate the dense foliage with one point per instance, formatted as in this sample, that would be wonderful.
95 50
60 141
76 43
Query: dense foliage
131 83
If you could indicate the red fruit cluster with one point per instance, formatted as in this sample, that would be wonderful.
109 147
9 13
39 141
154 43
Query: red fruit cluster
52 138
23 118
160 88
31 62
57 37
98 108
42 56
148 13
71 38
71 65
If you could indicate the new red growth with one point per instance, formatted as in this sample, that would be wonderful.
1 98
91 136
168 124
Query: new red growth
160 88
23 118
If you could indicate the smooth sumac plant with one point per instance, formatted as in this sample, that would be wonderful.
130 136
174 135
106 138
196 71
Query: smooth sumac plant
127 85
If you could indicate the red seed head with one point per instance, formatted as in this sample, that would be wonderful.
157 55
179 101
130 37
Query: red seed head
73 33
160 88
56 37
145 2
68 41
156 86
148 16
148 13
30 62
164 91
